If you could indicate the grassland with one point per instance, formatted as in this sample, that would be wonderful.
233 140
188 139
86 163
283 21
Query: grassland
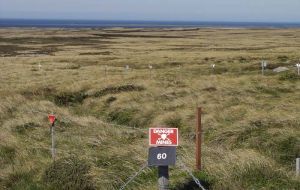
251 122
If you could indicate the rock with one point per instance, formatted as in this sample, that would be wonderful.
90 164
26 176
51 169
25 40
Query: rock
280 69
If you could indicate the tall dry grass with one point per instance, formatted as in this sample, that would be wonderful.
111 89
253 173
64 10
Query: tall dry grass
250 122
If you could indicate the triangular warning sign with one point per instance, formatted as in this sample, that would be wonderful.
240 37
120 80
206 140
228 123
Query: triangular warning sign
51 119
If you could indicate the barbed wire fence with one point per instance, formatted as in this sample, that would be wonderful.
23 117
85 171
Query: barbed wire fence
190 173
130 179
181 164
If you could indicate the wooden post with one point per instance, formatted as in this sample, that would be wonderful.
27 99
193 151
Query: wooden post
198 139
53 141
163 177
298 167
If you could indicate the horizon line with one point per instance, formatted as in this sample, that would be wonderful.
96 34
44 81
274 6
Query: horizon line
147 20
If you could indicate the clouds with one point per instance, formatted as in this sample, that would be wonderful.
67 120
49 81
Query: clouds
205 10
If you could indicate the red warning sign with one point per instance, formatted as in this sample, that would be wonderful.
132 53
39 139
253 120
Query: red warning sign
163 137
51 119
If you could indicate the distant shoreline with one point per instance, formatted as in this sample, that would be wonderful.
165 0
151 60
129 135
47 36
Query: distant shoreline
44 23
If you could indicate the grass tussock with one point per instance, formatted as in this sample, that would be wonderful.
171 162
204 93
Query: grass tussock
118 89
69 99
69 173
289 77
7 155
22 180
250 122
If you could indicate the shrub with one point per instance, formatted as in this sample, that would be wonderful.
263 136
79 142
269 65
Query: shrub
257 176
174 121
219 70
122 117
21 129
283 58
190 184
69 173
110 99
119 89
289 76
7 154
69 99
73 67
22 180
267 90
242 59
283 148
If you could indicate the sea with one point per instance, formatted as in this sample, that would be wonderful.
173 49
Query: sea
46 23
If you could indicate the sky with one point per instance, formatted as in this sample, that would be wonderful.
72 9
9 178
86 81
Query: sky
161 10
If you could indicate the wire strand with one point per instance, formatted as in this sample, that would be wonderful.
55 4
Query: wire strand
196 180
134 176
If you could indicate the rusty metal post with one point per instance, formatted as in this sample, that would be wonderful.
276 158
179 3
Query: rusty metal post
198 139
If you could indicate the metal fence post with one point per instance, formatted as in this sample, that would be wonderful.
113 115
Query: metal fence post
163 177
53 141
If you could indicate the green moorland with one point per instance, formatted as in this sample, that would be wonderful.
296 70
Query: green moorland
251 122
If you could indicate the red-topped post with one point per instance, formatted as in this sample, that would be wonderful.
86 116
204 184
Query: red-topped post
52 120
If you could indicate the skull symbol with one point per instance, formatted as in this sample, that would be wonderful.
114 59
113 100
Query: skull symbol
163 136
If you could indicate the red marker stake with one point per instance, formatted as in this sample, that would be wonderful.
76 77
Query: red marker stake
52 120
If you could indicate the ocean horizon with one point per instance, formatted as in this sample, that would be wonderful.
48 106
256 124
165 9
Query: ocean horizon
55 23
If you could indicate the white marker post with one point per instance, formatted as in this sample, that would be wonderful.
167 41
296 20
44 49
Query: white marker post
150 70
298 68
213 67
52 120
263 66
126 69
40 66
